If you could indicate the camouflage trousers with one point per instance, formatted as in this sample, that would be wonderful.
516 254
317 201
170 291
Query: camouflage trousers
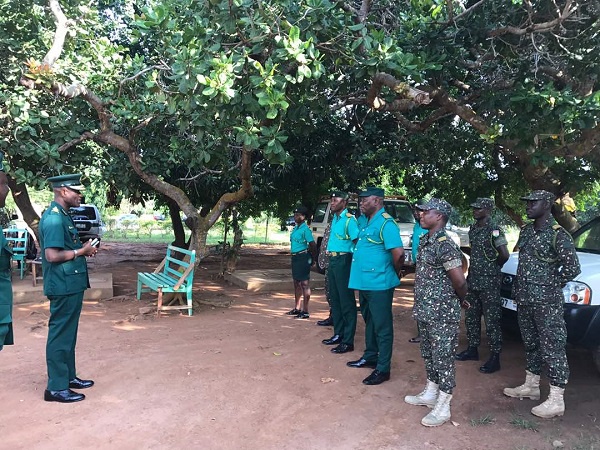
545 337
486 303
438 346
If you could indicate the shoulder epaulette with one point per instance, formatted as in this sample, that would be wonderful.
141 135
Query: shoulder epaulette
556 227
441 238
386 216
348 215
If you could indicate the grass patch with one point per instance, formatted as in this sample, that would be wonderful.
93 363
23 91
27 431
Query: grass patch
524 424
488 419
587 442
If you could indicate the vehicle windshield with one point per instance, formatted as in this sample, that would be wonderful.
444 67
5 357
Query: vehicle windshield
587 238
319 214
83 213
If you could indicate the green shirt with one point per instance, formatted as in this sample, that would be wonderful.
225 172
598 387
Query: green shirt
344 229
300 237
372 262
57 230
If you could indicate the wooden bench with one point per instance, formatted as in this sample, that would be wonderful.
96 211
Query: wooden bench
172 275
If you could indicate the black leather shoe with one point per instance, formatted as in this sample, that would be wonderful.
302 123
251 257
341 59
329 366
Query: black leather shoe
376 377
325 323
78 383
470 354
64 396
335 339
491 365
343 348
362 363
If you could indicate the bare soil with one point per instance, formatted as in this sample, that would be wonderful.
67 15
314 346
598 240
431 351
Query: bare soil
249 377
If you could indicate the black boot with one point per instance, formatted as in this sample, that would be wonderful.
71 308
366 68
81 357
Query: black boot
470 354
326 322
492 365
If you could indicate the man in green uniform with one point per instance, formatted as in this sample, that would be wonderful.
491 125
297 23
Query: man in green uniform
547 261
343 234
6 294
375 272
65 280
489 252
440 288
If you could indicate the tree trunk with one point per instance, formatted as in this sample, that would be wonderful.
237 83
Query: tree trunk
178 231
21 197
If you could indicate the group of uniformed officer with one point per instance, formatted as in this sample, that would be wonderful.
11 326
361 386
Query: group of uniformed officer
368 253
364 255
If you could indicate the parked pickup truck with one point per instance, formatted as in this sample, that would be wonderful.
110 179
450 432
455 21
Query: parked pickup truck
582 295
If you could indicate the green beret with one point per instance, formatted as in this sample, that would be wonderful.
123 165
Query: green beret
372 190
483 203
539 195
72 181
442 206
341 194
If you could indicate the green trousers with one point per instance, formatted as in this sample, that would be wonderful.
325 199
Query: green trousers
376 309
342 300
62 338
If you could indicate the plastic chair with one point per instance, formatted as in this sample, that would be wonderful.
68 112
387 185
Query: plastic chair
17 238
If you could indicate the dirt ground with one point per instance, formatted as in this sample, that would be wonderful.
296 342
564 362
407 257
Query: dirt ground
250 377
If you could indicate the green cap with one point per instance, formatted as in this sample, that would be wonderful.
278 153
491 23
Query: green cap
340 194
442 206
539 195
483 203
71 181
372 190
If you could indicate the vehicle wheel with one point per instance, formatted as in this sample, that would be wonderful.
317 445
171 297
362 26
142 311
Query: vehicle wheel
596 357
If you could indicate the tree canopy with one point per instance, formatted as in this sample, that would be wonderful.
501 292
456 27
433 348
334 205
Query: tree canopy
206 103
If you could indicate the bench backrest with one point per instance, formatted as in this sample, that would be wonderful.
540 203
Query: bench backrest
18 238
175 267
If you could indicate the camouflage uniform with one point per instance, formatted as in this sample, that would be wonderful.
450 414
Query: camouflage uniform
484 286
437 307
547 260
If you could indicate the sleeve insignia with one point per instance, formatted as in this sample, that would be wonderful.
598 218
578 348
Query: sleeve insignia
55 209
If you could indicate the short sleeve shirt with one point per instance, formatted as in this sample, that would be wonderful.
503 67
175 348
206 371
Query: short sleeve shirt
484 273
57 230
372 262
344 230
547 260
435 298
300 237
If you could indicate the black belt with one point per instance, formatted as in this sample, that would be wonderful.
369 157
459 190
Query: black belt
338 253
299 253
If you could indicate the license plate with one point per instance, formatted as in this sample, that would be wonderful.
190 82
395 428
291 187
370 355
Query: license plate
80 226
509 304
